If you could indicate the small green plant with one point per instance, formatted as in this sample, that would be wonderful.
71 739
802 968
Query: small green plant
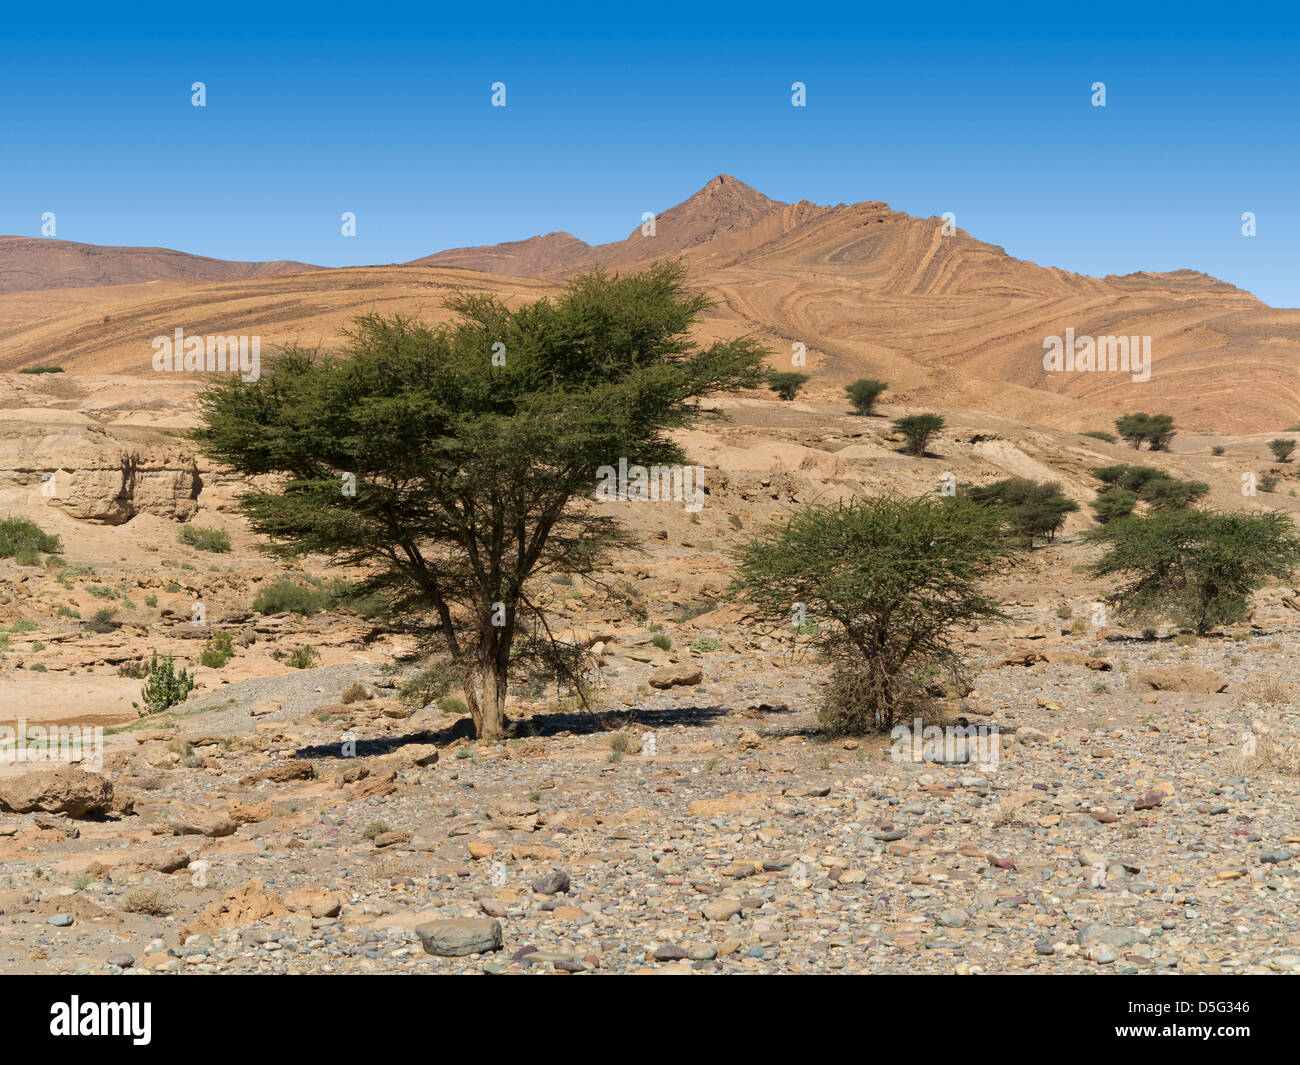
219 650
164 688
376 828
205 539
19 533
661 641
150 600
705 644
863 394
1100 434
1218 449
786 384
1065 611
452 705
303 657
918 430
285 596
103 621
41 369
1282 448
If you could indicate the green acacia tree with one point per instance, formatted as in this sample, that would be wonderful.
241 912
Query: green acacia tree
786 383
457 463
919 430
883 585
863 394
1195 567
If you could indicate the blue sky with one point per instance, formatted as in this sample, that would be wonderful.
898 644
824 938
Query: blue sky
613 110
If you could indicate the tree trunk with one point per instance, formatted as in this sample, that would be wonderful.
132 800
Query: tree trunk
492 710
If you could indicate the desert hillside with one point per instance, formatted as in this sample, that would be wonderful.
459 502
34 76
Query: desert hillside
867 291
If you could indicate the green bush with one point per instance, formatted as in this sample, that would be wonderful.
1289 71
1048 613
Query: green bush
303 657
1197 568
19 533
218 651
918 429
863 394
1033 508
425 687
899 581
1155 430
1114 503
1282 449
661 641
205 539
786 384
41 369
1098 434
103 620
705 644
286 596
164 688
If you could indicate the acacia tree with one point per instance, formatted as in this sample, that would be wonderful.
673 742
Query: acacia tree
1196 567
887 583
457 463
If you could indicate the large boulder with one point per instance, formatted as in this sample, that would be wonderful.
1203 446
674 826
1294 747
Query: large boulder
189 819
1177 679
459 936
683 675
73 792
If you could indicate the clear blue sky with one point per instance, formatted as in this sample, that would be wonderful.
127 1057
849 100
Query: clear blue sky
615 109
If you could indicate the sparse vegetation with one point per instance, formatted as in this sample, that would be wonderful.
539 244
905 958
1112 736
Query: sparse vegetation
164 688
919 430
205 539
863 394
1154 430
23 539
605 371
786 384
894 578
1196 568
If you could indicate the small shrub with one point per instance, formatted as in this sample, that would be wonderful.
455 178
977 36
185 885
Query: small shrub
425 687
863 394
661 641
705 644
205 539
1282 448
786 384
19 533
164 688
1218 449
376 828
354 693
303 657
103 621
218 651
1100 434
451 705
42 369
1065 611
918 429
147 899
285 596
